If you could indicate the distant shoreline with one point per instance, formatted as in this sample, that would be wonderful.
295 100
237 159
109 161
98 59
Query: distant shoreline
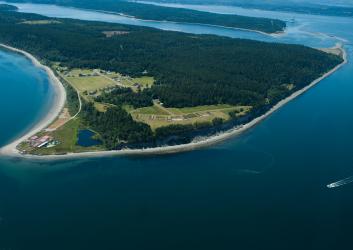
11 149
272 34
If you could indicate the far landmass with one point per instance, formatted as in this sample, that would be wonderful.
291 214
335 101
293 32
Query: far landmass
158 13
137 87
7 7
304 7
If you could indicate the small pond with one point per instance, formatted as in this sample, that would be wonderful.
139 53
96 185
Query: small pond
85 138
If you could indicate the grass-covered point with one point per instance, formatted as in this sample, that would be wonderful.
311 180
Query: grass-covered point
140 84
151 12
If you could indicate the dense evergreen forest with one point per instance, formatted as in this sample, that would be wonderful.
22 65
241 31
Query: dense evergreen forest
116 126
189 70
125 96
222 70
151 12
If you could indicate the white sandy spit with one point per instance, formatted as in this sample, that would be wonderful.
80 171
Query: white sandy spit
57 106
10 150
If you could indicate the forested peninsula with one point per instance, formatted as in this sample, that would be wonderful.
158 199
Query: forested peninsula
7 7
159 13
143 87
303 7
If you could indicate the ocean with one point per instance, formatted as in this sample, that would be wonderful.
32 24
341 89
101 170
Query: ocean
264 189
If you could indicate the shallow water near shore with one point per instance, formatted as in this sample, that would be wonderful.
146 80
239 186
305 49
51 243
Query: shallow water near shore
265 189
25 95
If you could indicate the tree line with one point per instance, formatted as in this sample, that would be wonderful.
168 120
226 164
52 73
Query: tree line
189 70
159 13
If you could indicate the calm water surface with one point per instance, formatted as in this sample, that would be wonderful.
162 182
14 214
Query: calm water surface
24 97
86 138
265 189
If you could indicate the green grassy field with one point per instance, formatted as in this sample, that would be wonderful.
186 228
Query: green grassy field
145 81
67 136
90 83
153 110
155 116
41 22
94 80
102 107
77 72
203 108
158 116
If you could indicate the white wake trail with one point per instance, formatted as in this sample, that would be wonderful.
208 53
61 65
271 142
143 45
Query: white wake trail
340 182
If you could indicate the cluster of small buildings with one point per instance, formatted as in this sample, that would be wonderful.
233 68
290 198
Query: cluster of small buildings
109 34
88 74
42 141
92 92
105 72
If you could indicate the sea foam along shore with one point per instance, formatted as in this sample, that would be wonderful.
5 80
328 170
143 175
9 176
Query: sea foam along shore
11 150
52 114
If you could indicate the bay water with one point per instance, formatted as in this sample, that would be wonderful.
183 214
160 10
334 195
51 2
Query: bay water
265 189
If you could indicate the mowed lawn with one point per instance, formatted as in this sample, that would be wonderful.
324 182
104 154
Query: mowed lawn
152 110
157 116
91 80
156 121
159 110
204 108
67 136
41 22
90 83
145 81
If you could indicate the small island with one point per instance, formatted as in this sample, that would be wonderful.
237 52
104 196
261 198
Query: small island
127 89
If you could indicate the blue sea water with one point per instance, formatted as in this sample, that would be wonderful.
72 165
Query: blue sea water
265 189
25 95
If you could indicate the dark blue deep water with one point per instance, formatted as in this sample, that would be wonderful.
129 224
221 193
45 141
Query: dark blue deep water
265 189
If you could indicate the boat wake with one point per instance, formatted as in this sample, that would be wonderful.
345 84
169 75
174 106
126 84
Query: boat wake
340 182
248 171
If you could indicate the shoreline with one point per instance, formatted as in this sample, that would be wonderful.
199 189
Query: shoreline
197 143
272 34
52 113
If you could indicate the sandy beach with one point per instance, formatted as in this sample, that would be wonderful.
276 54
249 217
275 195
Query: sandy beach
10 150
57 106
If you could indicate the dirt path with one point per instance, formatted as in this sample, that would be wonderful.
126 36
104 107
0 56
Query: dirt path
79 101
